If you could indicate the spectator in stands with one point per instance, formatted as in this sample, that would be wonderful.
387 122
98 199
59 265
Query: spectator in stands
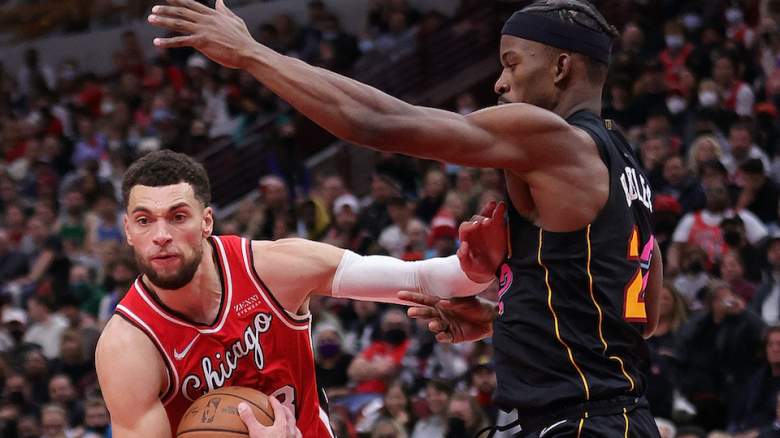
716 351
680 185
393 238
742 148
332 361
345 231
362 331
466 417
482 384
96 418
54 422
121 276
46 328
432 196
756 408
62 392
13 264
702 228
752 258
737 95
276 202
381 360
732 271
759 193
36 374
437 398
766 302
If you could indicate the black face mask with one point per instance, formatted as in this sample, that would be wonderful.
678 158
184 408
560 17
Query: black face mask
733 238
100 430
456 428
16 398
395 336
696 266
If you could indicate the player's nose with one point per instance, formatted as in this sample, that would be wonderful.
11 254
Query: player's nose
161 235
501 86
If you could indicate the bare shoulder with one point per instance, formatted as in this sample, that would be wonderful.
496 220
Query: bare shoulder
123 350
293 250
543 136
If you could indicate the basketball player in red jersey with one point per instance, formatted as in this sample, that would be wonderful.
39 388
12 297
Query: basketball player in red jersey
213 311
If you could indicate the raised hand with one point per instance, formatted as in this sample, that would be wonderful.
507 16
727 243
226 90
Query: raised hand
483 243
455 320
218 33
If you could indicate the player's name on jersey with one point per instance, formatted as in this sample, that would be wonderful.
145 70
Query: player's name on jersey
636 188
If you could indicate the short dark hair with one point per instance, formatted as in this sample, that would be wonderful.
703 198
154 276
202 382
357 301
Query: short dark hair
582 13
165 168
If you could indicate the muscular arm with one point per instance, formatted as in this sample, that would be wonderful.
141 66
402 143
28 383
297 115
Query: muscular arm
302 268
130 371
653 292
514 136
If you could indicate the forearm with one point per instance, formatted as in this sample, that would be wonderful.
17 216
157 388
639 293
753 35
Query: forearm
347 108
380 278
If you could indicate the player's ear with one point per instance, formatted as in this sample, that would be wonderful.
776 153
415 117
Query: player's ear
208 221
563 62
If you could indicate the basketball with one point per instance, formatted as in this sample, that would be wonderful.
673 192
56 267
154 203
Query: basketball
215 415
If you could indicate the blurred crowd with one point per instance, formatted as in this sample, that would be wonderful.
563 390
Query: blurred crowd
695 86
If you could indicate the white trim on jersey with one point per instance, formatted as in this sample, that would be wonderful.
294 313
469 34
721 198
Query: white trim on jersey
160 346
326 421
226 305
268 302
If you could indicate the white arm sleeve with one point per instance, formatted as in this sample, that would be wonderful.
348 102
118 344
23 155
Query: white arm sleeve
380 278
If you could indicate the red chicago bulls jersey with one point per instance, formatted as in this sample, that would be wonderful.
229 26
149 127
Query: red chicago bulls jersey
254 342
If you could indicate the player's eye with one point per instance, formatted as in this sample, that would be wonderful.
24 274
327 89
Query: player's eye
180 217
142 220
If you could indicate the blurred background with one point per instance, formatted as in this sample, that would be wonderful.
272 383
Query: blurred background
695 85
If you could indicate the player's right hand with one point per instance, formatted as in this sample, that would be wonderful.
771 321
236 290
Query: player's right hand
283 427
216 32
454 320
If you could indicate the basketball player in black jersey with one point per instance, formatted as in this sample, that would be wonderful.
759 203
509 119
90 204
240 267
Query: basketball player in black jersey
580 284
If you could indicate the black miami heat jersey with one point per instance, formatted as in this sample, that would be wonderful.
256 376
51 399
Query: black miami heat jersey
571 304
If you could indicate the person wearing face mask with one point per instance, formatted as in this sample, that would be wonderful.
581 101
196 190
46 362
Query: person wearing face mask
676 54
381 360
331 361
753 261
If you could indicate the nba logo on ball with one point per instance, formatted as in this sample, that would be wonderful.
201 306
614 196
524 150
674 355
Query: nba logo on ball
211 410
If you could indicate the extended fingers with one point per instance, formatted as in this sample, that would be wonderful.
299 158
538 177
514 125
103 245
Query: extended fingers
177 12
175 24
192 5
422 313
418 298
178 41
248 417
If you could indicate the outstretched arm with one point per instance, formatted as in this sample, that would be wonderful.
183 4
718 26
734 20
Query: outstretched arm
513 136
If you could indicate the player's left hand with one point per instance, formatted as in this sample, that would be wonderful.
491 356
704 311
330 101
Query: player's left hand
218 33
483 243
284 422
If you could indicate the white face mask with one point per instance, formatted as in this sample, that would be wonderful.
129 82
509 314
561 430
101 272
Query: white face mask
675 104
692 21
733 15
674 41
708 99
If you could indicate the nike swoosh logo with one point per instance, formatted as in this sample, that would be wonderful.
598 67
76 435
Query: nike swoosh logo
549 428
180 356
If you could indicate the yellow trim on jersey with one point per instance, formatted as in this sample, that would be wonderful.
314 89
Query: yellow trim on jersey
593 297
623 370
555 318
625 416
579 428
